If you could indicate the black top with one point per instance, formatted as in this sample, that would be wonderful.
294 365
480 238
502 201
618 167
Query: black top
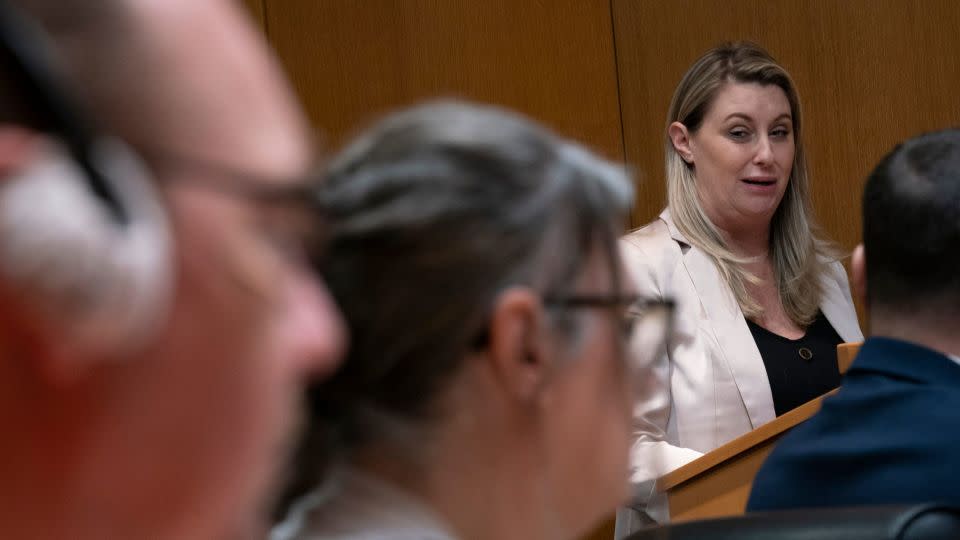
802 369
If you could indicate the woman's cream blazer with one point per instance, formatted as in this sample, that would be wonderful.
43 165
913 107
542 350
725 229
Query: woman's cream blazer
711 386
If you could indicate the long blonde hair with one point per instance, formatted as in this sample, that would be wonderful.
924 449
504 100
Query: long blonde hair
798 253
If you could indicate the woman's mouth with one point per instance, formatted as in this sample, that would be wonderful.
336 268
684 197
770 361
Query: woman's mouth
760 182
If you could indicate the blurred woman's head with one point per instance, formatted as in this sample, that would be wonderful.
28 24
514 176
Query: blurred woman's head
463 241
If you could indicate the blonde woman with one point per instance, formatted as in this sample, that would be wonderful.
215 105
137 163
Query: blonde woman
762 300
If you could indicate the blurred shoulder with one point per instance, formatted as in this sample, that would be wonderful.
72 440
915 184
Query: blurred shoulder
652 240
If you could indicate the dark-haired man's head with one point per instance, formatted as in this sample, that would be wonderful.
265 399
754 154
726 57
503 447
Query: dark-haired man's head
909 264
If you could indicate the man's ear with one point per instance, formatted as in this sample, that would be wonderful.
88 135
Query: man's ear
517 346
23 328
858 271
25 336
680 138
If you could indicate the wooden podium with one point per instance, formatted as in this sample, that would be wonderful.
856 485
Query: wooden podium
718 483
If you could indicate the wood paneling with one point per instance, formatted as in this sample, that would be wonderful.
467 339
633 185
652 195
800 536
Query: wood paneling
870 73
255 7
552 59
846 353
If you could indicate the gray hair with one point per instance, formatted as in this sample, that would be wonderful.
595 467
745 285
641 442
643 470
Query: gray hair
433 213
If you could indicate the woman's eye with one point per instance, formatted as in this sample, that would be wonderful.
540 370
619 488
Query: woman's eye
739 133
780 133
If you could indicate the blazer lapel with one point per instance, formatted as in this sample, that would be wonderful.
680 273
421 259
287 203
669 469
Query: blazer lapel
729 329
837 307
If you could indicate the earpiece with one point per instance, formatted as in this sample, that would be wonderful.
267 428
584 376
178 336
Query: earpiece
84 239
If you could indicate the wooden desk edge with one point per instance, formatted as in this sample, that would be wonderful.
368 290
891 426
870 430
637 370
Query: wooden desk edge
740 444
846 352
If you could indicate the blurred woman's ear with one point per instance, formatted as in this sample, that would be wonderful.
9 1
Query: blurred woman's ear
517 351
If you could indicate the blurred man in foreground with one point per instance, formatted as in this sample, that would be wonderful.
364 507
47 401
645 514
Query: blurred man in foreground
172 426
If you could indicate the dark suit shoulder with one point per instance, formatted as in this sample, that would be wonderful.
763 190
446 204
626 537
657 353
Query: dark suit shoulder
883 438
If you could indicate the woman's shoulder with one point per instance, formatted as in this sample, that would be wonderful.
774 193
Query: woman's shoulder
353 505
651 254
653 240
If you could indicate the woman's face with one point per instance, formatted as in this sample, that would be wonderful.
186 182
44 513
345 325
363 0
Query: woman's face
742 155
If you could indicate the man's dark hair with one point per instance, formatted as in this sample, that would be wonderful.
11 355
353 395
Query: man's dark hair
911 228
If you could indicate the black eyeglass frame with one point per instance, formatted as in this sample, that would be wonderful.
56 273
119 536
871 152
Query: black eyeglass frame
575 301
297 196
636 305
298 191
601 301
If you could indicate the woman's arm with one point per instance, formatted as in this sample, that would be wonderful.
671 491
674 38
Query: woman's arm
652 455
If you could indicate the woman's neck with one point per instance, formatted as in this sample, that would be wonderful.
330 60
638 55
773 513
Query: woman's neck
480 470
745 236
747 241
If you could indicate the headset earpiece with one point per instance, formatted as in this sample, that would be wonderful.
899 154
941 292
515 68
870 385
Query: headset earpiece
104 286
84 240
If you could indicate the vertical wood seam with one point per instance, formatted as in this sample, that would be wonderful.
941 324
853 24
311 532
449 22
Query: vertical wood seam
616 75
266 19
632 219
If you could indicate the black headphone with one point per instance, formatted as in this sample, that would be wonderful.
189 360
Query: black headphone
84 238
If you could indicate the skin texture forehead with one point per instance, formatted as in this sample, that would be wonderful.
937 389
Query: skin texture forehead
199 80
759 102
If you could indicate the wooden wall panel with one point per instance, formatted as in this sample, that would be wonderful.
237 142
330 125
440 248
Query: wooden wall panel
552 59
870 73
255 7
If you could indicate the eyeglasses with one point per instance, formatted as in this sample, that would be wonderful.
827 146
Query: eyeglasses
646 323
291 215
231 181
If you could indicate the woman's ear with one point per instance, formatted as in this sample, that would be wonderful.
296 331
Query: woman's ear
517 349
680 137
